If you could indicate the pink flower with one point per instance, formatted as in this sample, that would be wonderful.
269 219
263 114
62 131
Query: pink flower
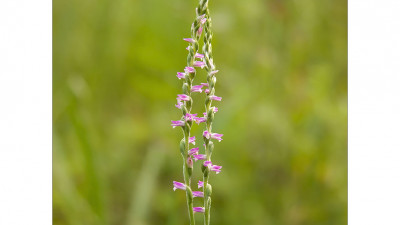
199 209
203 20
180 75
204 84
201 16
214 109
207 163
207 91
197 88
198 194
199 120
215 168
199 157
193 151
183 97
199 31
199 64
178 123
190 40
190 117
215 98
209 135
179 104
179 185
200 184
198 55
192 140
189 69
214 72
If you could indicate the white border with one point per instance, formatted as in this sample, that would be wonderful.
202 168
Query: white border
374 112
25 112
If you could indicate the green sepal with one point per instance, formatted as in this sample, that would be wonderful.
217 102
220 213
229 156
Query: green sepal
182 147
184 110
189 194
192 75
185 89
208 191
207 100
210 147
189 170
205 170
210 115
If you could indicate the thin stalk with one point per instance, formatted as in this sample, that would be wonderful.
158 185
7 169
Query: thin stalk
211 80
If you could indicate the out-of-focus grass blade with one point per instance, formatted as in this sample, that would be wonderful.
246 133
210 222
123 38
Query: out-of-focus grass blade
145 185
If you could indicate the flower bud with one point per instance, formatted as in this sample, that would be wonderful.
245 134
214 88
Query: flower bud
189 162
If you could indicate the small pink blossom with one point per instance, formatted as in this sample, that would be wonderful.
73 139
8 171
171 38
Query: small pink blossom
192 140
200 184
215 168
193 151
178 123
209 135
190 117
215 98
179 104
201 16
199 120
199 31
199 157
189 69
199 209
198 55
183 97
207 91
204 84
179 185
180 75
197 88
214 72
198 194
199 64
207 163
190 40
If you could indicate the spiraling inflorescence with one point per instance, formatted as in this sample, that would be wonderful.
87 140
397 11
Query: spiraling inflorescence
200 27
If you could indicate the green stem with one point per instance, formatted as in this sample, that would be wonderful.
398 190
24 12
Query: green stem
206 208
187 179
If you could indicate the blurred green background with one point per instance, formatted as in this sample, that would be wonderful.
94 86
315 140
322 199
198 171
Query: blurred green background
283 79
